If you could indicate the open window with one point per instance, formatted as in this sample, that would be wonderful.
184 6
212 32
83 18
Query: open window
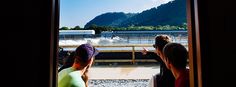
126 33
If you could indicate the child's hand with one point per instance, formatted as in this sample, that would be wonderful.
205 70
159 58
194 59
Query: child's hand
144 51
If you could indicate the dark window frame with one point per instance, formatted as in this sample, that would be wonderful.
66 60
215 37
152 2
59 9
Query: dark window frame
193 43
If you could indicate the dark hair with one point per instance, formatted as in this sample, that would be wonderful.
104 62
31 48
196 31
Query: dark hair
176 54
85 52
161 41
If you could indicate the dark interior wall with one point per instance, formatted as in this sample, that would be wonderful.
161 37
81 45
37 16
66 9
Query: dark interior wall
217 39
29 43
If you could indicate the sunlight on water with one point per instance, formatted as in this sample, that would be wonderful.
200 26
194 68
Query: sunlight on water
116 41
94 41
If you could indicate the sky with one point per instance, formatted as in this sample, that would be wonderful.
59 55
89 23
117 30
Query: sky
79 12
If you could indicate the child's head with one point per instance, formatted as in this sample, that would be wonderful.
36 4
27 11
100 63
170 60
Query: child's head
176 54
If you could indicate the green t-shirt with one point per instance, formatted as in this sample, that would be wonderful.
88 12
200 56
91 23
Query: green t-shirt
69 77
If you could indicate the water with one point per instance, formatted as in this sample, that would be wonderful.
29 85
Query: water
124 39
117 40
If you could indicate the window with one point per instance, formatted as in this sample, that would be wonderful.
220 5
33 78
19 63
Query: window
117 29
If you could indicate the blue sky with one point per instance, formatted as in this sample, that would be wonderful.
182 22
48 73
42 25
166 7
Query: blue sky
79 12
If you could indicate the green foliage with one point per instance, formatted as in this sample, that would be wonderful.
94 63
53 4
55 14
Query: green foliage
109 19
76 28
99 29
64 28
172 13
67 28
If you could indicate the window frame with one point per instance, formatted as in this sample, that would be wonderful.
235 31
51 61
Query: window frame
193 43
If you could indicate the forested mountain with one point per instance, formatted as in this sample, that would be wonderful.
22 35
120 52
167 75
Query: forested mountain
110 19
171 13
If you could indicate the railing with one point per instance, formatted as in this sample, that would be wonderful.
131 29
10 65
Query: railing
133 50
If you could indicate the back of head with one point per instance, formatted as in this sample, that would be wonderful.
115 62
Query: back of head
177 54
85 52
161 41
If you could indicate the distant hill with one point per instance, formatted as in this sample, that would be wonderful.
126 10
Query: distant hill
110 19
171 13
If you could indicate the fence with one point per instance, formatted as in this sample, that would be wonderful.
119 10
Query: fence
133 50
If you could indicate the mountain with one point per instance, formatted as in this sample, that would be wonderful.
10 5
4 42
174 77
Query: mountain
171 13
110 19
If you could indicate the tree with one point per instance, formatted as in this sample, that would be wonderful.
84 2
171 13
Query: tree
64 28
76 28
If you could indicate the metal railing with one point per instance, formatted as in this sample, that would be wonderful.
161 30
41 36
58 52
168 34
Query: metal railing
133 50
